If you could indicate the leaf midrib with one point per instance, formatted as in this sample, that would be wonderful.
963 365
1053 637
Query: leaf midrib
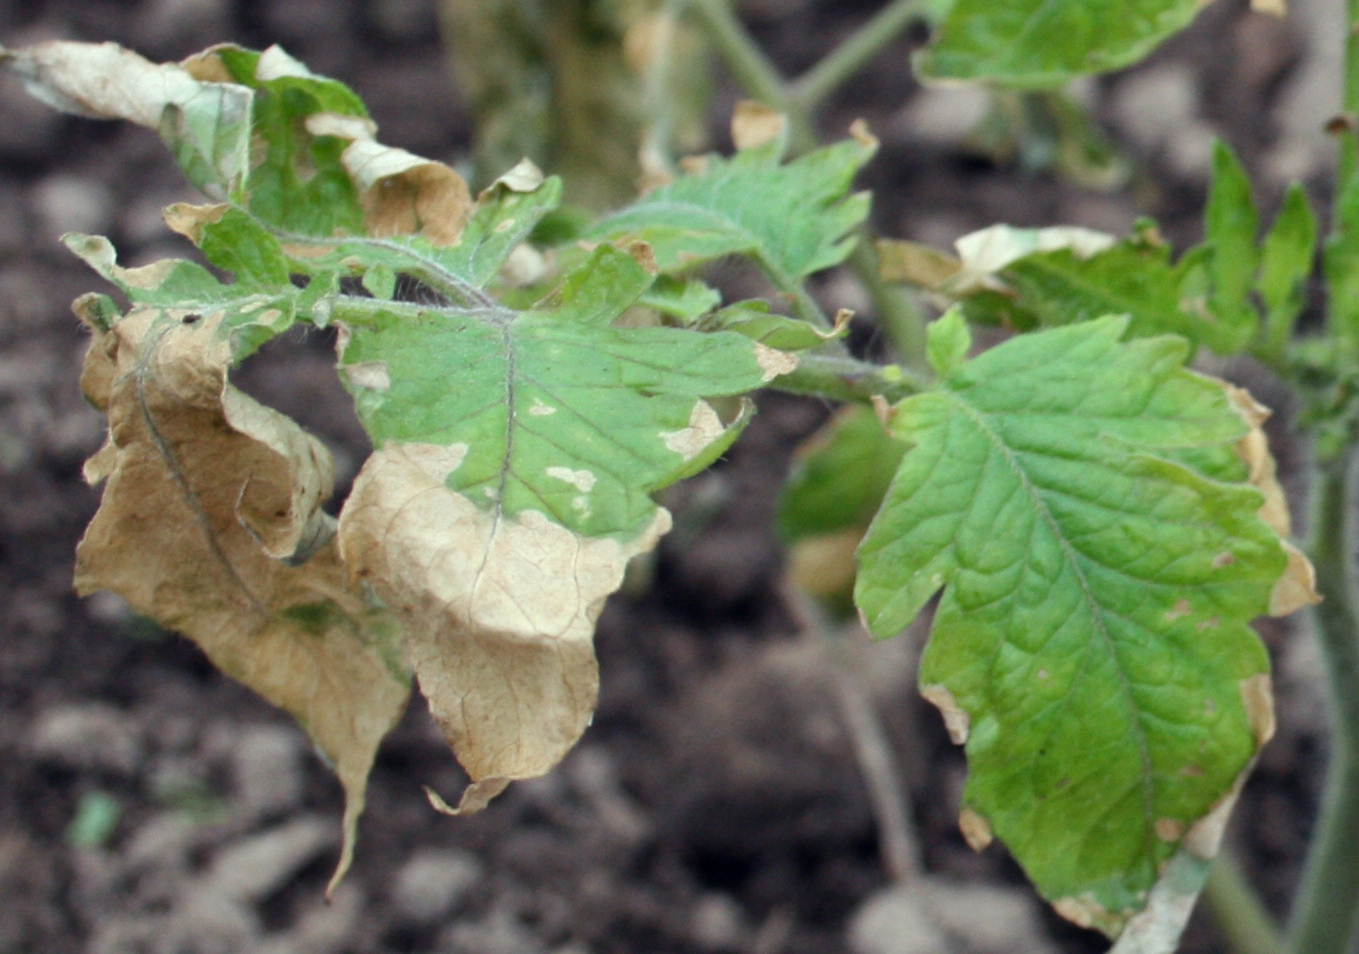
1071 556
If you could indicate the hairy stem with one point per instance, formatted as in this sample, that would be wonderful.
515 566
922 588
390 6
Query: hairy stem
853 54
1323 916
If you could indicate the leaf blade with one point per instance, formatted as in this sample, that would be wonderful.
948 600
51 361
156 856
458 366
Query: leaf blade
1045 43
1090 642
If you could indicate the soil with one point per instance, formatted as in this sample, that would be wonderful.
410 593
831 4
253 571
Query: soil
151 805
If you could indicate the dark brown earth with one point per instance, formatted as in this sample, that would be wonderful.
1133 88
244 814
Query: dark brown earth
148 804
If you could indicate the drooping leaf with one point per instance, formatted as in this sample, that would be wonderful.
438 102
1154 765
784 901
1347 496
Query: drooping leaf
206 125
1083 506
500 608
1045 43
210 523
528 443
261 131
793 218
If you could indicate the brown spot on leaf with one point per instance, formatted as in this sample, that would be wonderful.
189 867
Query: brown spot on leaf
1181 609
704 428
1169 829
773 362
404 194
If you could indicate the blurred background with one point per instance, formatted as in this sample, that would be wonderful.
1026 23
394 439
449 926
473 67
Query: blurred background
720 803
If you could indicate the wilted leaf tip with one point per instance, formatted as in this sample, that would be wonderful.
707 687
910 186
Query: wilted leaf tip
500 609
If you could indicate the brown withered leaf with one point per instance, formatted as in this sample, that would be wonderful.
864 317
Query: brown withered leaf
210 500
499 611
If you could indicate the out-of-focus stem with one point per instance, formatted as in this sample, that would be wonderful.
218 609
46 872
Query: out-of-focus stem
853 54
1324 909
1241 918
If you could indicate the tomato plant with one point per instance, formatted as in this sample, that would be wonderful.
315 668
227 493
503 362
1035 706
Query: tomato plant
1095 522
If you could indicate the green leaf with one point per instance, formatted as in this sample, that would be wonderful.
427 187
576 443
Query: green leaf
1341 268
1131 278
1230 227
685 301
793 218
1044 278
754 320
554 410
948 342
1045 43
298 180
1286 263
251 313
839 477
1080 505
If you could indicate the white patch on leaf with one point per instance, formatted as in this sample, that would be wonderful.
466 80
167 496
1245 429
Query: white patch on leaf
582 480
341 126
704 428
773 362
370 375
539 409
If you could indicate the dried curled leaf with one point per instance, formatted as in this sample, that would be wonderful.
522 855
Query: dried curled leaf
207 492
499 610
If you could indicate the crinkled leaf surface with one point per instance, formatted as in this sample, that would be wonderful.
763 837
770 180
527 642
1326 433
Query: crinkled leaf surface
208 493
793 218
1044 43
556 410
1081 507
516 456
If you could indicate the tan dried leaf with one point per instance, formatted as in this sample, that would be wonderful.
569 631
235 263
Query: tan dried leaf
101 81
754 124
207 493
404 194
1297 587
499 610
982 256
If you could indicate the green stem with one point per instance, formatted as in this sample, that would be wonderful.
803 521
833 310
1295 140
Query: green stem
848 379
895 312
1349 144
903 323
1240 917
853 54
1324 909
753 70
